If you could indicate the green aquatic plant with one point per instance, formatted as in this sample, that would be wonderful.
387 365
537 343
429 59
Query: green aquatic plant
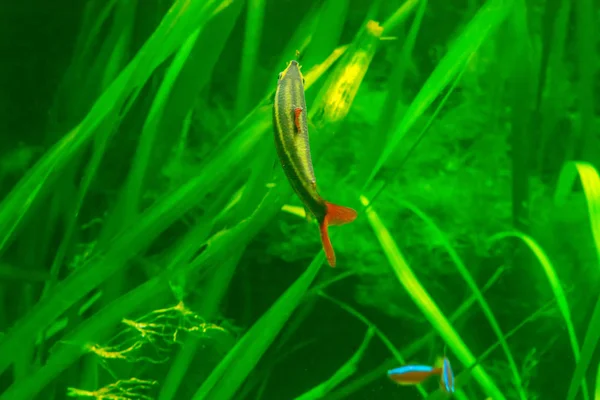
165 190
425 303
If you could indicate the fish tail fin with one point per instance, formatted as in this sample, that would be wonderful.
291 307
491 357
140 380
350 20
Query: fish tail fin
327 247
339 215
336 215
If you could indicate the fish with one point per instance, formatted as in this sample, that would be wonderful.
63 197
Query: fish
290 122
447 377
412 374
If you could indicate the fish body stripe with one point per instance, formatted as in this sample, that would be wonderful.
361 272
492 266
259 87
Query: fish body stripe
410 368
448 376
292 143
411 374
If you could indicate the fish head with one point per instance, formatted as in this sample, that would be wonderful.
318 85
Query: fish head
291 73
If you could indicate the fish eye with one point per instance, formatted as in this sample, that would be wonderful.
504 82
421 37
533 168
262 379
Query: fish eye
303 81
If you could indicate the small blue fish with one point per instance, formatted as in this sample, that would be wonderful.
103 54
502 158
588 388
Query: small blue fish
447 376
412 374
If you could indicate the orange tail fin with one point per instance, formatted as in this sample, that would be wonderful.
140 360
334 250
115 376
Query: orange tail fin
336 215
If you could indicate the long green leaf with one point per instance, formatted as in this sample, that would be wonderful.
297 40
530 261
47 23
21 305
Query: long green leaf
553 279
590 181
98 327
488 18
343 373
468 278
176 26
226 379
426 304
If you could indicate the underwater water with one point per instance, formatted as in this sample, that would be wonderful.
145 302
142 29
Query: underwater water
172 173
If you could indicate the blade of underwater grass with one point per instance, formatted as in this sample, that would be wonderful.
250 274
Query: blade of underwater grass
587 63
8 272
108 63
252 36
463 378
487 19
217 284
327 32
380 187
97 328
426 304
468 278
211 297
99 122
122 31
66 242
95 15
376 373
590 182
127 209
114 45
231 372
384 339
523 59
399 16
175 27
392 98
299 41
151 223
553 279
415 346
111 57
188 73
343 373
550 104
264 375
209 308
597 390
333 102
81 83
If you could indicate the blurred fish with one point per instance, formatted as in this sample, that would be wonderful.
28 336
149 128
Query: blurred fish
447 376
291 139
412 374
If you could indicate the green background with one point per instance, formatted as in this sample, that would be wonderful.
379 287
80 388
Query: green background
151 246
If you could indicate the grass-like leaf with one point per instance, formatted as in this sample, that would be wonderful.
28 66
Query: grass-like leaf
231 372
399 359
488 18
96 328
252 38
590 182
343 373
411 349
466 275
597 389
587 40
175 28
553 279
426 304
463 377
